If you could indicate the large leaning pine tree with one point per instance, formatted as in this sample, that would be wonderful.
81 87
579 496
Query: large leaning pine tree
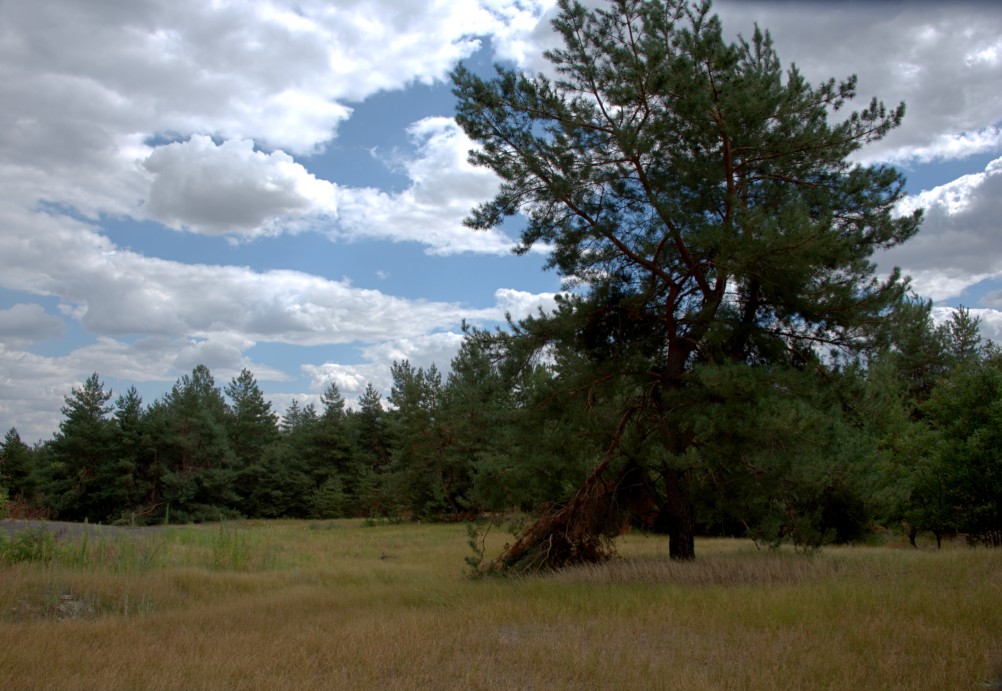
702 199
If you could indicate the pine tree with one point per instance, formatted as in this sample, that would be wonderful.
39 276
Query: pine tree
78 452
252 424
372 449
708 211
963 489
293 419
920 361
430 487
334 471
372 437
127 481
198 469
17 476
253 431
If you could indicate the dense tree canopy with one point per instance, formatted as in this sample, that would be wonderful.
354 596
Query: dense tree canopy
704 202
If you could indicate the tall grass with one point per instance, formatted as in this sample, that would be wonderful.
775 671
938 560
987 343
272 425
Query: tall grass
298 605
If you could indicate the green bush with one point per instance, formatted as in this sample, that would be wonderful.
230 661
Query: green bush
29 545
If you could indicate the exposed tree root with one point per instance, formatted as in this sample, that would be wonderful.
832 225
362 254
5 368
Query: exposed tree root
580 531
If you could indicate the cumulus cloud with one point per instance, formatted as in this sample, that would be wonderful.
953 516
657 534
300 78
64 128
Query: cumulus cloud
520 304
118 292
944 61
421 351
230 188
957 245
31 391
188 113
33 387
430 211
951 146
524 30
89 87
941 60
352 379
990 320
267 71
23 324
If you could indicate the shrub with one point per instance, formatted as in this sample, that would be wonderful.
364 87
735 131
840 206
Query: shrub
29 545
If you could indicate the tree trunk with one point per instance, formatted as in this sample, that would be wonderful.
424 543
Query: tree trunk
678 516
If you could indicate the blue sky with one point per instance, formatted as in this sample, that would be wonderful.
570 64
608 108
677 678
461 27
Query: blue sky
280 185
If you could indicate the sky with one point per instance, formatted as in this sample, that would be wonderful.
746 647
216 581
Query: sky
280 186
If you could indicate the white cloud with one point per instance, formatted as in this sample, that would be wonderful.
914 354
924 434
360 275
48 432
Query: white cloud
940 59
88 87
183 112
520 304
957 245
118 292
31 392
230 188
421 351
430 211
33 387
234 190
433 349
23 324
523 28
990 320
950 147
266 71
351 380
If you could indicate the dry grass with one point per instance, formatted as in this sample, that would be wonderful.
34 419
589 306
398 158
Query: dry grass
286 605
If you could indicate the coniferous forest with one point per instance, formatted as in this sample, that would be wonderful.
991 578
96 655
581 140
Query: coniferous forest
908 440
726 360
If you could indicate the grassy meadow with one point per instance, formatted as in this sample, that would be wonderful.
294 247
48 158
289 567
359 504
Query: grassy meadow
295 605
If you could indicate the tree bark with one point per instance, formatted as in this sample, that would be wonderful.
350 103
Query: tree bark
678 515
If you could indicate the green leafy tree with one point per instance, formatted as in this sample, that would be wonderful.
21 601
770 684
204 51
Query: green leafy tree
476 413
371 434
706 206
334 462
964 341
423 480
252 424
961 488
919 359
79 453
17 473
303 475
198 469
294 418
128 480
289 474
372 448
276 480
253 432
326 472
